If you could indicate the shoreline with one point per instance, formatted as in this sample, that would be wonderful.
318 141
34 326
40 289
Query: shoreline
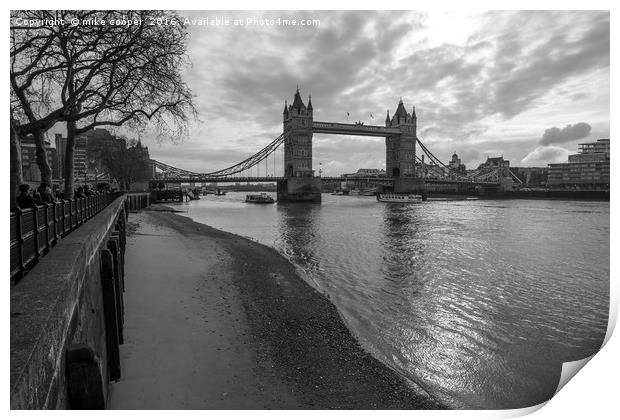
301 354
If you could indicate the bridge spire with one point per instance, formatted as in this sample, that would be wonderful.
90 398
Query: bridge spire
387 119
298 103
309 102
413 113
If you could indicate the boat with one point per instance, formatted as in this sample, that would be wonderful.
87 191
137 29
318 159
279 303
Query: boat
261 198
399 198
355 192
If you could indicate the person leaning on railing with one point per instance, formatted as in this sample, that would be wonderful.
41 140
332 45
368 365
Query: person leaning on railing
79 193
25 200
45 192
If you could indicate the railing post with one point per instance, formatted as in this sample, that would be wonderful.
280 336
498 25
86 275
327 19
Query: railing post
49 212
20 239
72 214
115 251
110 315
35 218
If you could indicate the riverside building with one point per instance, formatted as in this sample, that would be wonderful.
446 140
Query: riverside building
588 169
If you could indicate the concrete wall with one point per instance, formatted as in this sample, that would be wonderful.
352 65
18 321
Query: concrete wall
59 344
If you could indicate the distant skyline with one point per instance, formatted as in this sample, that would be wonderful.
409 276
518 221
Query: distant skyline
528 85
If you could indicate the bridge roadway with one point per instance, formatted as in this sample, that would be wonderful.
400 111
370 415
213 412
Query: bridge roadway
386 180
352 129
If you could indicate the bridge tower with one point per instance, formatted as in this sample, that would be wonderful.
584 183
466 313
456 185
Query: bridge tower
400 150
299 184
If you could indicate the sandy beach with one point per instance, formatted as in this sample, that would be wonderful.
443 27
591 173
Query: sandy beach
216 321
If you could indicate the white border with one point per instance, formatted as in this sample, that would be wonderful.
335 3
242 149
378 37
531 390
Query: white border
591 395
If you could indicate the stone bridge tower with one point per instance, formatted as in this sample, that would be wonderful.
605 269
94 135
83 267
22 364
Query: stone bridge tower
400 151
297 120
300 183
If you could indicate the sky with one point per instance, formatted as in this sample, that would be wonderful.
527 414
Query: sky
526 85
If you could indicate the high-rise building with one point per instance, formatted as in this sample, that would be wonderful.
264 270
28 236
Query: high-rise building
30 168
587 169
89 152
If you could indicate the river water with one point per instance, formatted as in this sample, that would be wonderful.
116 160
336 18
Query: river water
479 302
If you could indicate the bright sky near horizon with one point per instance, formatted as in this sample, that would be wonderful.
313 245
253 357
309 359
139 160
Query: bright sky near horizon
528 85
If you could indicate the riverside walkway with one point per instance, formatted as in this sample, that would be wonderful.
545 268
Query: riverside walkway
215 321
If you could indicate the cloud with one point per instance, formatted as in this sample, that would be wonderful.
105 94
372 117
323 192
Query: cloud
567 134
507 69
543 155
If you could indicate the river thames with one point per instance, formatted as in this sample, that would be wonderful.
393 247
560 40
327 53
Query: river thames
478 302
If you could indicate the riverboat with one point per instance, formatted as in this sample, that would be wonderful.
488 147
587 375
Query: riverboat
399 198
261 198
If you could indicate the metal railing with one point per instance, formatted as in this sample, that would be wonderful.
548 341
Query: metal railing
35 231
138 201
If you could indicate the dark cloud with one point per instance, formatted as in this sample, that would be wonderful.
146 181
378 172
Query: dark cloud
567 134
361 62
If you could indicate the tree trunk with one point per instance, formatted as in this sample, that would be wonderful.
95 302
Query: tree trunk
16 176
44 166
69 164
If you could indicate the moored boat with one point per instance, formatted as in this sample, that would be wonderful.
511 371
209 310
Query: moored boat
261 198
399 198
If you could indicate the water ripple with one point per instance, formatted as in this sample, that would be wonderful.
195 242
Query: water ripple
477 301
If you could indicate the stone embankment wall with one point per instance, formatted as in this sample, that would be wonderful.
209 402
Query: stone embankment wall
67 318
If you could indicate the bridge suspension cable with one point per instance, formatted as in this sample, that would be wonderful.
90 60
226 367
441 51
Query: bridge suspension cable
439 164
254 160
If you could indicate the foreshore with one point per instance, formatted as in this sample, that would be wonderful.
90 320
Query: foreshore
216 321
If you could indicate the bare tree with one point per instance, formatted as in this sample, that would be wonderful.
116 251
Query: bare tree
32 65
111 75
16 176
126 75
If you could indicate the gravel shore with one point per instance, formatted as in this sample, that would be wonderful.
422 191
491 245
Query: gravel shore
216 321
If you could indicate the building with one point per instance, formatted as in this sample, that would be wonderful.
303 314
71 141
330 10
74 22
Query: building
367 173
495 162
455 165
142 154
79 156
89 151
30 168
588 169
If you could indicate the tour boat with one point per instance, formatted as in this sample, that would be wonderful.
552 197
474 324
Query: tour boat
399 198
261 198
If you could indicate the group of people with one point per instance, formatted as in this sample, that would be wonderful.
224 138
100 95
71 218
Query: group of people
29 197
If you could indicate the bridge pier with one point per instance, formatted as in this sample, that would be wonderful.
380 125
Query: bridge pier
408 185
306 189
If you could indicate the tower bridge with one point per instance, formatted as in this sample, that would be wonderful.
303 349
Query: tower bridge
298 181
